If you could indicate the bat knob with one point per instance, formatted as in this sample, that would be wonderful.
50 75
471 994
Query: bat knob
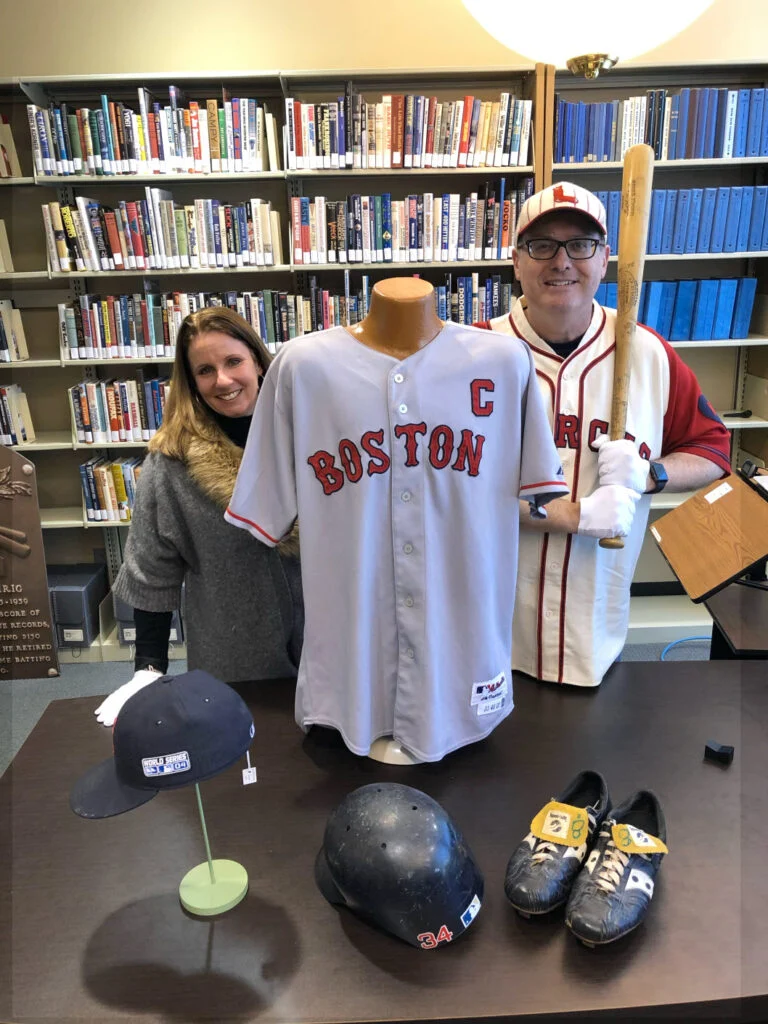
616 543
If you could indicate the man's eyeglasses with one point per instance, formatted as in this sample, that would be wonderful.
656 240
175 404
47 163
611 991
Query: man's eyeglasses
576 248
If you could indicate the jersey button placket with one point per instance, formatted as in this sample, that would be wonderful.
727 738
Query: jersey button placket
407 529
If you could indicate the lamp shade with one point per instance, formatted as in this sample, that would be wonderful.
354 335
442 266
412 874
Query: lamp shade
562 29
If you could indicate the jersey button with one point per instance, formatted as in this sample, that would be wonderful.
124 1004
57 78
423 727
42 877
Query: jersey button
406 496
402 408
398 378
409 602
408 548
411 653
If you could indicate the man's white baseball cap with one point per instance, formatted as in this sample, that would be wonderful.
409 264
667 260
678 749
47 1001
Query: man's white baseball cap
564 195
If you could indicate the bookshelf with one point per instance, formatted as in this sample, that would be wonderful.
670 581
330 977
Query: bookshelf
722 365
37 289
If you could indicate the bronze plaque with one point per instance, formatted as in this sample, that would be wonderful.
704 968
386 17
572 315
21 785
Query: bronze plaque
27 648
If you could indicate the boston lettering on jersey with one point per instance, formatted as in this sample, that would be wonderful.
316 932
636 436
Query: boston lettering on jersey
462 449
568 434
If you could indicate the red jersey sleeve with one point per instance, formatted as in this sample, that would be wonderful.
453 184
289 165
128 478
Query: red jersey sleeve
690 423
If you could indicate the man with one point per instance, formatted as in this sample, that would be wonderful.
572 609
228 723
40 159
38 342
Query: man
572 604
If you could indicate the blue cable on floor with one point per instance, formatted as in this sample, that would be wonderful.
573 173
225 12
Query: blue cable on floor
684 640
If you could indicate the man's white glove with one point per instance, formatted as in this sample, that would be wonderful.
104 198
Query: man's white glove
608 512
619 462
108 710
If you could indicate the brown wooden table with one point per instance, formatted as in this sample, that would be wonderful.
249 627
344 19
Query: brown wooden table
97 932
740 622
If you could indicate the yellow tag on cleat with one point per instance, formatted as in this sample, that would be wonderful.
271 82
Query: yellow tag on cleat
562 824
629 839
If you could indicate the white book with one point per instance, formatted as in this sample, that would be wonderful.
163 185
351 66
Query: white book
641 114
153 196
453 226
290 134
732 102
665 129
435 157
50 243
277 238
230 132
271 133
397 207
501 129
37 152
205 139
322 229
97 263
265 209
260 153
228 258
525 135
456 133
429 229
304 127
387 104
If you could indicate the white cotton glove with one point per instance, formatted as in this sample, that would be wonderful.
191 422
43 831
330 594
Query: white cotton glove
619 462
608 512
108 710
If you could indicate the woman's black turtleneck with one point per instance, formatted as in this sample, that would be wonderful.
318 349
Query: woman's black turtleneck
153 629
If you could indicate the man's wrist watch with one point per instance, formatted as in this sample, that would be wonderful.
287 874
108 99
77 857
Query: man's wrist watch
658 476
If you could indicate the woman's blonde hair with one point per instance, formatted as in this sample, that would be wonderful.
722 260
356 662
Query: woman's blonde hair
186 414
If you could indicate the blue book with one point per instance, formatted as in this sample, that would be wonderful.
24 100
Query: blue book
681 220
711 123
732 220
641 303
601 294
745 216
682 123
668 224
694 220
742 122
386 226
717 240
758 218
682 316
569 132
607 131
611 295
763 132
674 113
707 219
658 205
700 127
726 299
652 313
742 312
764 236
704 310
755 122
668 297
603 197
614 216
560 123
581 132
722 104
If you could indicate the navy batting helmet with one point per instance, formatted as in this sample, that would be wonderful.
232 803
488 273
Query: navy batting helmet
395 857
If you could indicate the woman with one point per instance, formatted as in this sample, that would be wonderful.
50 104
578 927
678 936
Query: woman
243 607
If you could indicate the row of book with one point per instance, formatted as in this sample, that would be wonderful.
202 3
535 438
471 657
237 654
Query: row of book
13 340
699 220
238 135
156 233
694 124
138 326
111 411
703 310
407 130
16 425
109 488
421 228
6 259
9 157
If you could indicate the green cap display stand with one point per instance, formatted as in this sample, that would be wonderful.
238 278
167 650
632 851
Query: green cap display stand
214 886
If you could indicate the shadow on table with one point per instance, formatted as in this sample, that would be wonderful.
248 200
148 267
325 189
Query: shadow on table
153 957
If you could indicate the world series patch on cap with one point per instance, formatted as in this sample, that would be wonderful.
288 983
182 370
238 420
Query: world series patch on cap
562 196
175 732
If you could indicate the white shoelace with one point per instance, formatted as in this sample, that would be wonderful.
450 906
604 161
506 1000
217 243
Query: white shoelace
614 863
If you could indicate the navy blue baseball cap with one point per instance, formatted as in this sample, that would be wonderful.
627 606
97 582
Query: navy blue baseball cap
174 732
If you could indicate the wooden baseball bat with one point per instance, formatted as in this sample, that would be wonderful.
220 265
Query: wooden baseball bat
636 183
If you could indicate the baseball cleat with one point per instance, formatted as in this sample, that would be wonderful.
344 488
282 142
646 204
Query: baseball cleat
614 889
544 866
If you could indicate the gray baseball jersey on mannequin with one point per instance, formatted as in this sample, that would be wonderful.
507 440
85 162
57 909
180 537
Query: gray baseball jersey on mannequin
405 476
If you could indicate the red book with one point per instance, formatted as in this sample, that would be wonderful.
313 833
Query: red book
136 240
429 149
113 237
466 122
194 120
398 127
298 134
298 252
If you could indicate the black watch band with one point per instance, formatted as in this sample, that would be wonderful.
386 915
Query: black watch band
659 477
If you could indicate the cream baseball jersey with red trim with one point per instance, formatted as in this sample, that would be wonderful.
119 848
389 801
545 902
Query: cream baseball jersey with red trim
405 476
572 607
